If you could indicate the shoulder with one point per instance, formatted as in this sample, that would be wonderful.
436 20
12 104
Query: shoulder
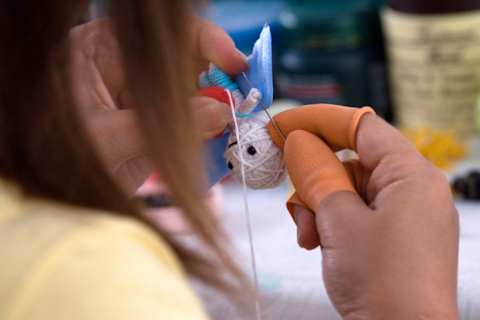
106 267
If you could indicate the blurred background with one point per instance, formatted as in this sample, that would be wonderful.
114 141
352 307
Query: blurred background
416 62
325 51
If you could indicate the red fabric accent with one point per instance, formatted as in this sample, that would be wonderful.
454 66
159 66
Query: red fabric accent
217 93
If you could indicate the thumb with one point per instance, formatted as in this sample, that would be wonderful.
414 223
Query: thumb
314 169
340 218
341 215
213 116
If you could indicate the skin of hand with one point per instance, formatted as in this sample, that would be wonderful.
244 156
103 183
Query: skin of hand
99 89
390 250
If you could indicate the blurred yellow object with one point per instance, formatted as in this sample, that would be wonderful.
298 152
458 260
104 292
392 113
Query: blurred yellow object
441 147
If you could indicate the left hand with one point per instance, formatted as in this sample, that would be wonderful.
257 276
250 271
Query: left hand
100 90
390 245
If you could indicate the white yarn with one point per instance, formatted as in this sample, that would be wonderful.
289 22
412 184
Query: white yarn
251 101
238 97
265 168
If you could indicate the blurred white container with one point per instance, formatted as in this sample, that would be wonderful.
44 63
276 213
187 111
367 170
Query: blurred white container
434 68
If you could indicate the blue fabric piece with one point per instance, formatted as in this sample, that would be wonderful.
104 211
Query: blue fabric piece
216 165
259 75
243 20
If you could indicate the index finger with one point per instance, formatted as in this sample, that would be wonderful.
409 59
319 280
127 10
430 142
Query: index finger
216 46
376 140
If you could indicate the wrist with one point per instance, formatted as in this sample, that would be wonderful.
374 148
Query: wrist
437 305
416 315
407 313
416 310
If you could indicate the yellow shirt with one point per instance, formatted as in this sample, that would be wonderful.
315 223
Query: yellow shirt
62 262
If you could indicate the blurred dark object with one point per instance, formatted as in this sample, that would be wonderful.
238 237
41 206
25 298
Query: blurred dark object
468 186
97 9
155 201
434 56
332 52
433 6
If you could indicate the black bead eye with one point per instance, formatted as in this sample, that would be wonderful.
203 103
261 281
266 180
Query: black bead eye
230 165
251 150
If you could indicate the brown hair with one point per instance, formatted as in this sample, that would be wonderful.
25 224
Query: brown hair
44 147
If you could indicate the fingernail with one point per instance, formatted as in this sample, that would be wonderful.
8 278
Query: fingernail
298 239
299 230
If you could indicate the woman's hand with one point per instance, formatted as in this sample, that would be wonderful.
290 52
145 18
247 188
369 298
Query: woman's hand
390 251
100 91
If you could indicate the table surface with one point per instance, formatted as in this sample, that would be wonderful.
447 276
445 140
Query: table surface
291 285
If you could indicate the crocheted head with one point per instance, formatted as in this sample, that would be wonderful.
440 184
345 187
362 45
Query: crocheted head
262 159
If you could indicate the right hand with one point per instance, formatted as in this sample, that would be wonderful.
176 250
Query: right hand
100 90
390 251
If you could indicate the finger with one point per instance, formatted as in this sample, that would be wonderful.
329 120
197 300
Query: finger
216 46
213 116
314 169
293 202
118 140
118 133
340 216
359 176
96 54
377 140
336 125
338 212
307 235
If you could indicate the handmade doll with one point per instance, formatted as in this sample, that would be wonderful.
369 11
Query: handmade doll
260 147
250 93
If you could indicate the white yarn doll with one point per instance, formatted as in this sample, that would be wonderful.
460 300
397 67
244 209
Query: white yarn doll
262 160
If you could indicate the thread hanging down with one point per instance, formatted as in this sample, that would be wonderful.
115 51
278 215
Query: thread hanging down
258 311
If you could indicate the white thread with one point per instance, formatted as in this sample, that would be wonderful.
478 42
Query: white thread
258 310
262 159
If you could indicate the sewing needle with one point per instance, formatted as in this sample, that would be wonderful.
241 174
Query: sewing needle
272 120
